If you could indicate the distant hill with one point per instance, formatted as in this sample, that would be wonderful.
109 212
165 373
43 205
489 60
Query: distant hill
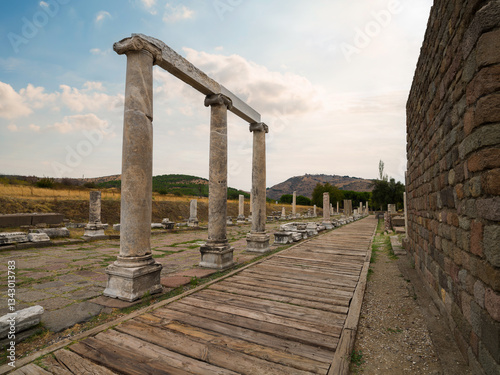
304 185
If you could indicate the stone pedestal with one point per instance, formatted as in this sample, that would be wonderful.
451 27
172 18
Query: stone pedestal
257 239
135 272
94 228
217 253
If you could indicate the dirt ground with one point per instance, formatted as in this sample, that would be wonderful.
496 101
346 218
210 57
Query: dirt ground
400 329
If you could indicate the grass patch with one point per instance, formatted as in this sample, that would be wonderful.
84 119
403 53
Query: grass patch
357 358
394 330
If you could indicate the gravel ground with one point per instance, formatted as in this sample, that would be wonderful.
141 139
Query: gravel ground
394 335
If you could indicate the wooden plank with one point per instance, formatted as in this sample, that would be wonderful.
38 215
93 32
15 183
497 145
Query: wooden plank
273 307
340 306
317 328
121 360
30 369
165 316
218 356
346 273
288 284
65 362
185 339
278 330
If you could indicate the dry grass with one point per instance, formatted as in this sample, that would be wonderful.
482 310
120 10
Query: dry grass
32 192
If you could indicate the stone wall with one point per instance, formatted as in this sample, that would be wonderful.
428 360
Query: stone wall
453 178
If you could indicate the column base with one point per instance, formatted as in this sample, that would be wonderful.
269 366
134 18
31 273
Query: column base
258 242
193 223
132 283
327 224
240 219
94 230
217 257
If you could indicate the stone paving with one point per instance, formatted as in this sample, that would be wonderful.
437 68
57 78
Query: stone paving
68 281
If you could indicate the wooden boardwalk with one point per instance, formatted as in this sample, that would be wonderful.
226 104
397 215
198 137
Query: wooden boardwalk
288 314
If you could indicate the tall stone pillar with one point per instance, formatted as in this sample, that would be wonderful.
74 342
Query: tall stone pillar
366 208
94 228
331 209
327 222
360 211
135 272
193 213
283 213
258 239
314 211
217 253
294 204
241 209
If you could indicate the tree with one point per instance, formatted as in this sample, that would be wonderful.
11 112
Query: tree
286 198
336 195
303 201
385 192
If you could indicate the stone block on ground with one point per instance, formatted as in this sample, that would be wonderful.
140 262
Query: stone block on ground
24 319
283 238
38 237
8 238
55 232
59 320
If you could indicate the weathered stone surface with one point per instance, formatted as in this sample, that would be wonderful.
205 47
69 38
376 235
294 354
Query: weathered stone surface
55 232
59 320
156 226
38 237
24 319
167 224
283 237
169 60
116 227
326 210
7 238
258 242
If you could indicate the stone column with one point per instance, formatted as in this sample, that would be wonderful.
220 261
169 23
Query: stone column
314 211
360 211
331 209
217 253
294 204
366 208
241 209
193 213
135 272
258 239
283 213
326 211
94 228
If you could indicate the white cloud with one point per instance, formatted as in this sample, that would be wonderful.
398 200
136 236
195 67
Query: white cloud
12 104
174 13
269 92
80 100
99 52
36 96
149 5
35 128
13 128
101 16
80 122
43 4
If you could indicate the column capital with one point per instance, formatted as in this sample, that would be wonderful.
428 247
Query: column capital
218 99
135 44
259 127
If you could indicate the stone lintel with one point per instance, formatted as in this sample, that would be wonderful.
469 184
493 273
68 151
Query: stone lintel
130 284
171 61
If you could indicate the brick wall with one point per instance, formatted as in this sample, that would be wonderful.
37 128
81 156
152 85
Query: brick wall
453 177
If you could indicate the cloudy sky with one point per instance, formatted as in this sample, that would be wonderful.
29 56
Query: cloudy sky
330 78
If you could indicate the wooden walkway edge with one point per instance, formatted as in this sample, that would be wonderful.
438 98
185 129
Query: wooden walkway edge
295 312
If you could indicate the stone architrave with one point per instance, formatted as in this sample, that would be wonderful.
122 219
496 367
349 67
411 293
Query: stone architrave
135 272
294 204
258 239
241 209
217 253
94 228
326 211
193 213
314 211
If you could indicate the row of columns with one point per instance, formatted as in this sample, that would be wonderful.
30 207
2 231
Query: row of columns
135 272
